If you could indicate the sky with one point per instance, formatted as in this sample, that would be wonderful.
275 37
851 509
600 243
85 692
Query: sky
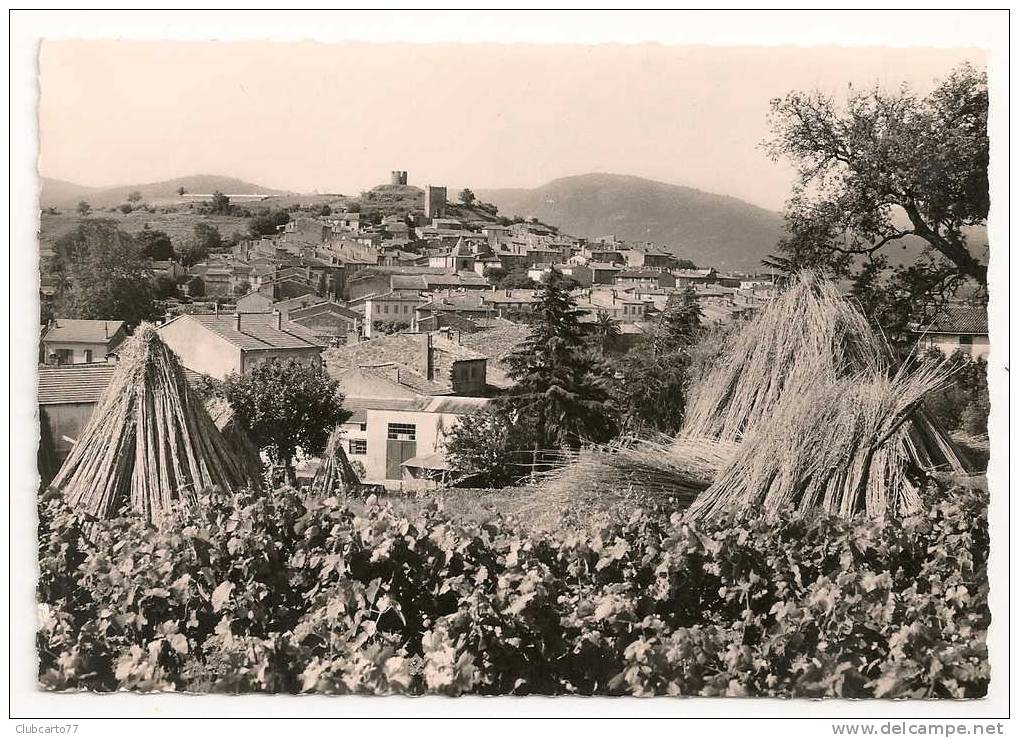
337 118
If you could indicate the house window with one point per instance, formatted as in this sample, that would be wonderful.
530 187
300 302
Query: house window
401 432
385 309
965 340
358 447
364 427
88 356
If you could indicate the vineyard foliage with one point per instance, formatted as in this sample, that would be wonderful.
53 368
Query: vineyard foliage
286 593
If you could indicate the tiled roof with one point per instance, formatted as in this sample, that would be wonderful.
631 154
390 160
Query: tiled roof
59 385
642 274
401 353
450 404
296 303
360 384
454 280
66 330
515 295
80 383
468 301
957 319
408 282
297 314
401 348
257 331
377 270
388 297
447 320
496 344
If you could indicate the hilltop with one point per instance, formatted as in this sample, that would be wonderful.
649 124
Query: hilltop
61 194
706 228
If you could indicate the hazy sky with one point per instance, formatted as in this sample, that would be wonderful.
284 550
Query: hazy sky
338 118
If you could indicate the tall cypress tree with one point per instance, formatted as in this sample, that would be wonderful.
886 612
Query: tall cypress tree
558 392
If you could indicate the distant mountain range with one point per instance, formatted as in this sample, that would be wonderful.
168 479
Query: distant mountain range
60 194
709 229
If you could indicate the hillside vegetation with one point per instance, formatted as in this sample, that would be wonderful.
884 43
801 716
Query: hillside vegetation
60 194
706 228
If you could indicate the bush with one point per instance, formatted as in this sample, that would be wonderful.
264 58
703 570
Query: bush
285 593
963 404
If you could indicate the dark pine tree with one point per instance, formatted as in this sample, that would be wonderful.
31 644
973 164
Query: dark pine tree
559 392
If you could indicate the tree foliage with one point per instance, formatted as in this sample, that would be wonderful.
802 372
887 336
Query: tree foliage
84 208
467 196
204 240
515 279
650 385
559 391
220 204
963 404
196 286
155 245
286 405
680 322
489 449
164 288
883 170
266 223
649 391
607 331
105 275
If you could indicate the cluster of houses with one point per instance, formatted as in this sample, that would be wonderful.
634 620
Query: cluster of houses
406 313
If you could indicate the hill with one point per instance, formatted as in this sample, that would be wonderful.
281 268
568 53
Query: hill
60 194
709 229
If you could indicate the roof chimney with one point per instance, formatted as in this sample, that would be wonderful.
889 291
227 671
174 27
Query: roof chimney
237 321
277 319
426 358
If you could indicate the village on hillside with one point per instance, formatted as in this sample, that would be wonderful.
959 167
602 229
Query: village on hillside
410 301
397 298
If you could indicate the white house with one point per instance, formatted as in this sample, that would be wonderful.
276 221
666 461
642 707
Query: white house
397 432
67 341
956 328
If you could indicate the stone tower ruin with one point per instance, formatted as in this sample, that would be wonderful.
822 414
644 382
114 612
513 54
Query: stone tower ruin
435 201
398 177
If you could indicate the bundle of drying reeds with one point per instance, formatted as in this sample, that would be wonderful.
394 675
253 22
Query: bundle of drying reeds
804 407
223 415
592 483
810 335
809 338
651 466
335 472
149 443
840 447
